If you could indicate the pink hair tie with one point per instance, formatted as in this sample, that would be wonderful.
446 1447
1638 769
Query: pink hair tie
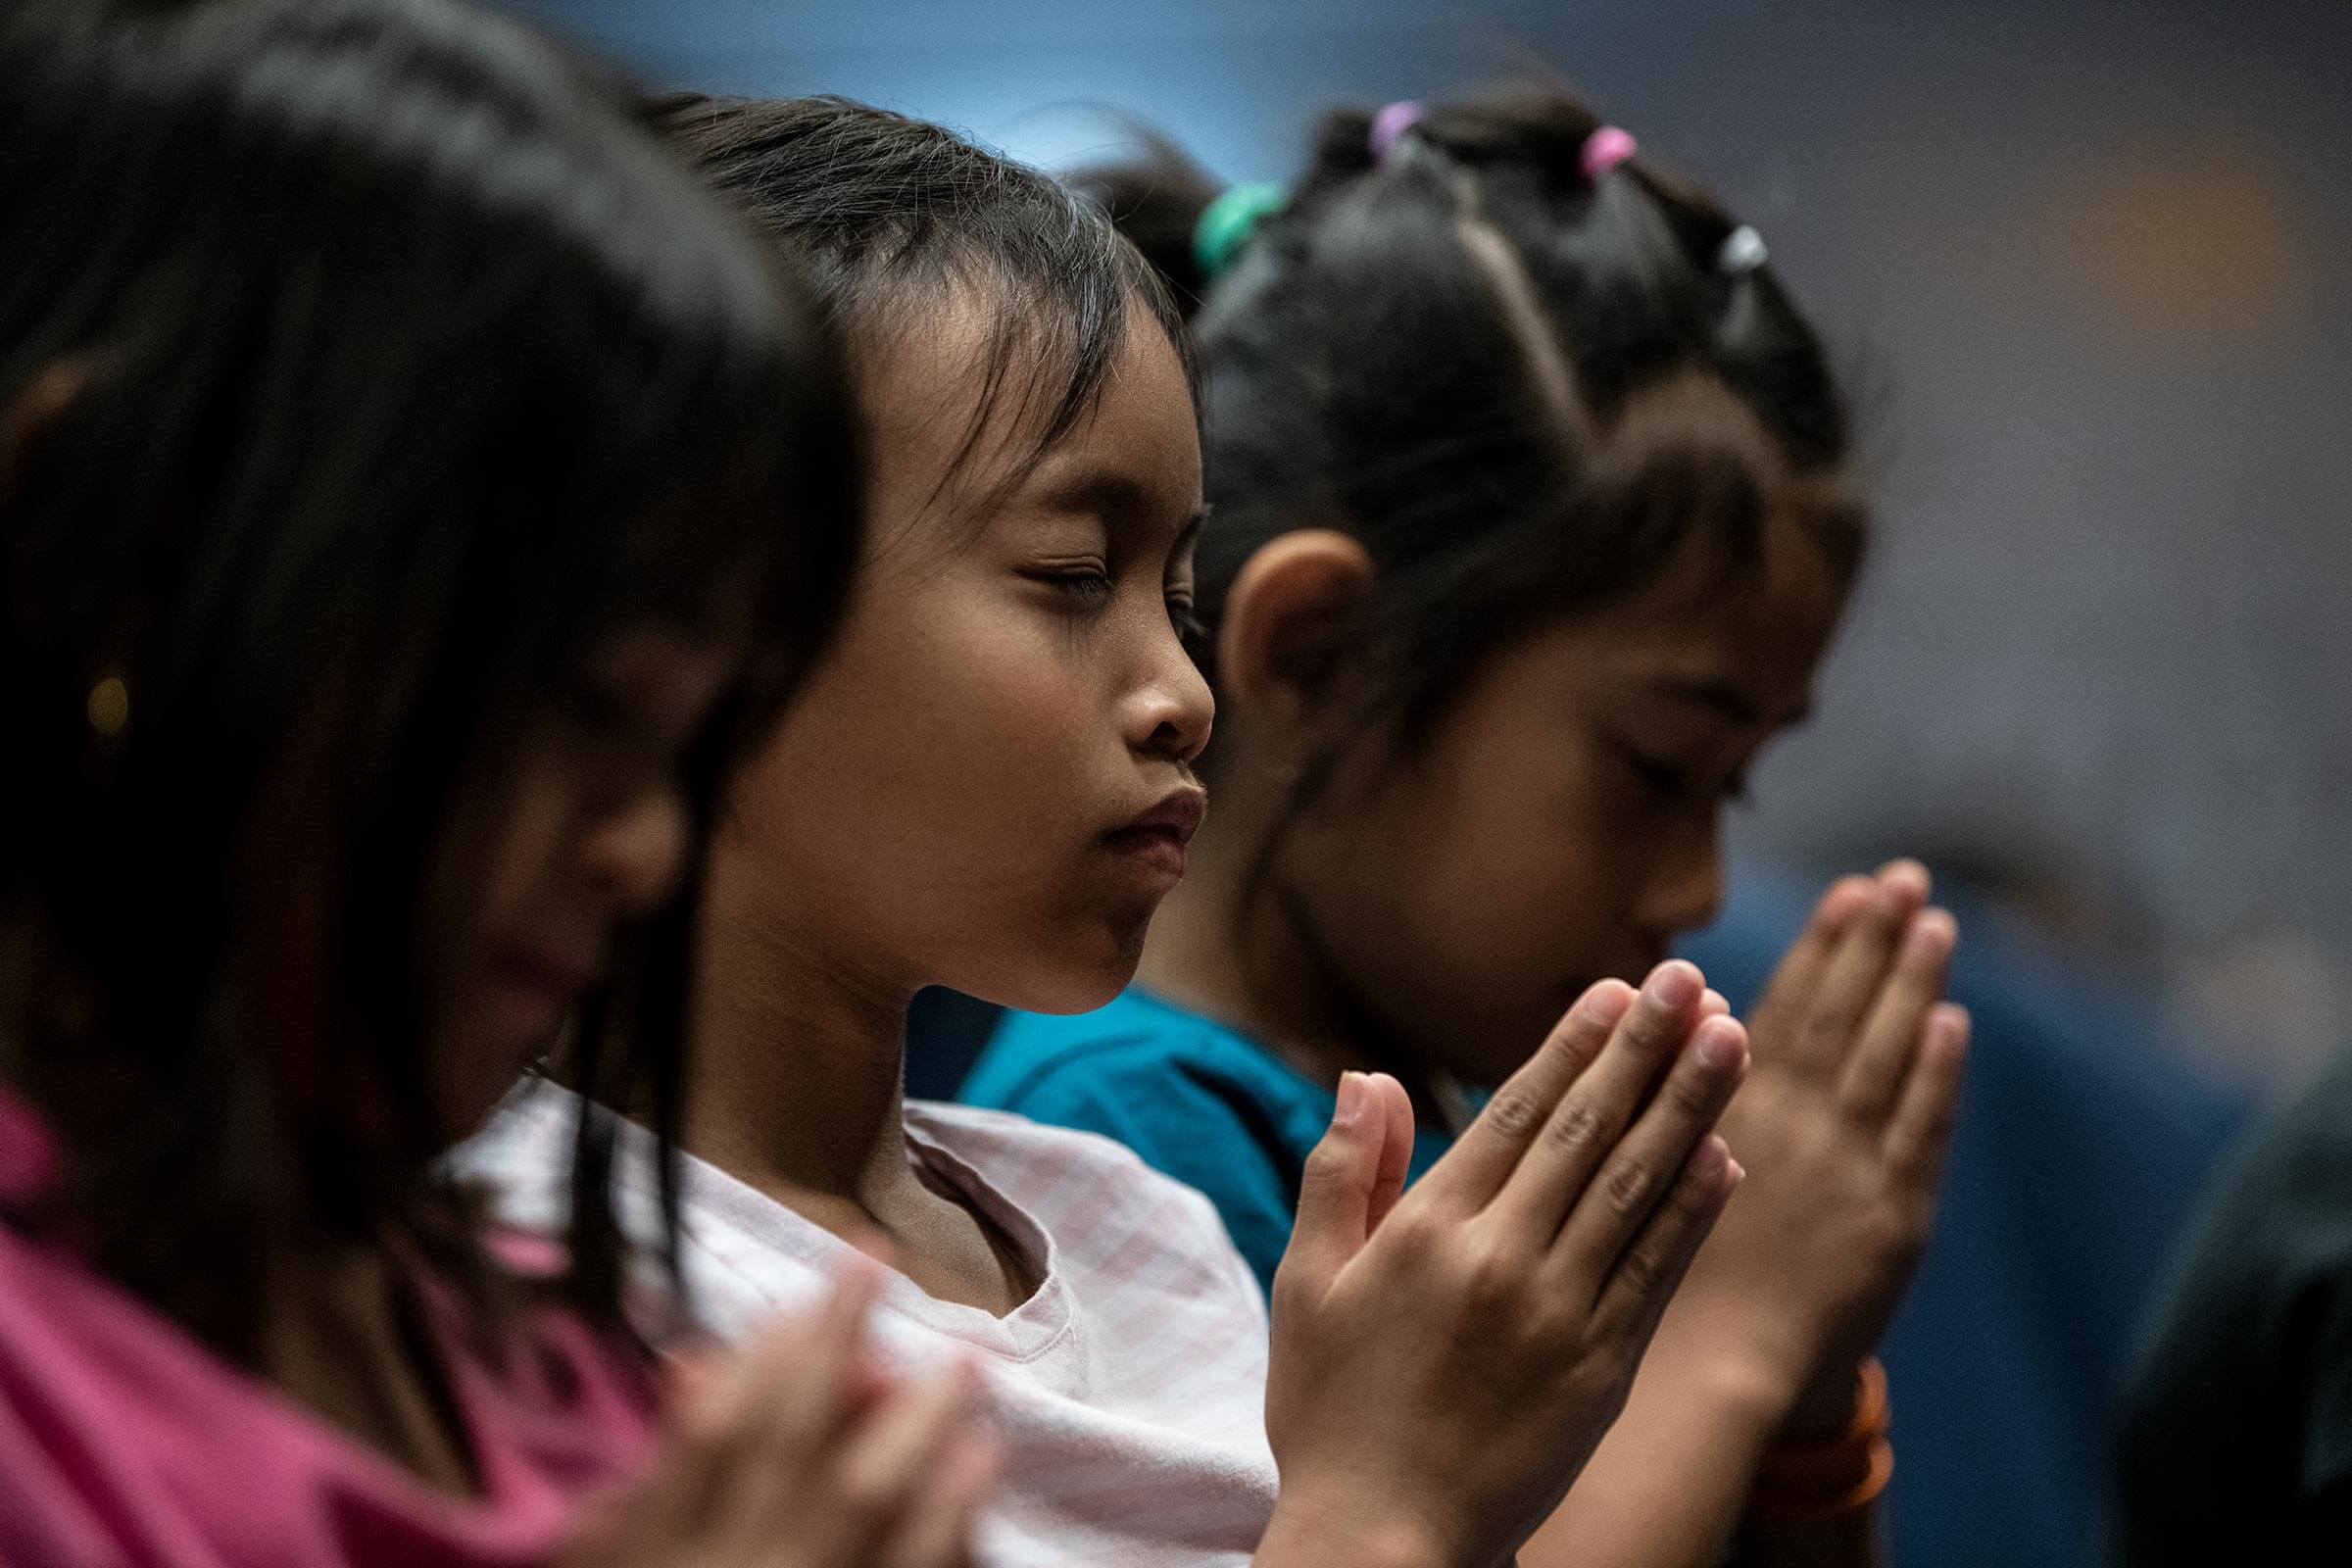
1390 123
1604 150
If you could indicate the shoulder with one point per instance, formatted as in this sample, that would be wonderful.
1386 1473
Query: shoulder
1019 1153
1080 1187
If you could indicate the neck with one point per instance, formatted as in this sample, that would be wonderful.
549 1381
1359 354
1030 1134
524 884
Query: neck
799 1084
800 1091
1231 944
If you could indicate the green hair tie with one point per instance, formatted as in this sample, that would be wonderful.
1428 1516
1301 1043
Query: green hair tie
1226 223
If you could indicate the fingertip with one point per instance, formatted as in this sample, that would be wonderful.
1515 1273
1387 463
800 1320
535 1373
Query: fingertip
1948 1026
1711 1158
1713 1003
1846 898
1906 880
1674 984
1933 934
1605 1002
1721 1044
1348 1112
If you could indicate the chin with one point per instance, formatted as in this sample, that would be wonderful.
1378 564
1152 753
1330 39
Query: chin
1071 971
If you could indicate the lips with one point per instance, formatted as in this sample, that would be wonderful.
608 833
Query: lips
1157 838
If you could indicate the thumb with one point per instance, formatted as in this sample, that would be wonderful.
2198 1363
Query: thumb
1337 1190
1392 1110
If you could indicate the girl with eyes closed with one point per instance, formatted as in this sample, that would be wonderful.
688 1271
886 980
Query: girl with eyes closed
989 782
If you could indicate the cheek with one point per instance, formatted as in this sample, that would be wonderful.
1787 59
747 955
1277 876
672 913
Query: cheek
1477 901
932 790
496 879
1525 863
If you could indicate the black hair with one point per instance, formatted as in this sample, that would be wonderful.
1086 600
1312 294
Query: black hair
363 366
1520 389
894 216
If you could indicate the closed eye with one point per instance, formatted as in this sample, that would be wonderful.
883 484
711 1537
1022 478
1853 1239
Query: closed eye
1084 581
1674 782
1658 778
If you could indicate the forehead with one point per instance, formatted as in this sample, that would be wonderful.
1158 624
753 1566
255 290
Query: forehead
947 449
1758 628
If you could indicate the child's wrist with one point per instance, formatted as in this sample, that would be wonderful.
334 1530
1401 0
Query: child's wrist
1829 1477
1826 1407
1738 1391
1306 1532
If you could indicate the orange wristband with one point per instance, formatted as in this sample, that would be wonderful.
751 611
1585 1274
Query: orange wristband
1820 1483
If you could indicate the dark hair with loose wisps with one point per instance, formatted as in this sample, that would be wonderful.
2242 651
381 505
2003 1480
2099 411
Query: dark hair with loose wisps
1522 391
363 366
894 218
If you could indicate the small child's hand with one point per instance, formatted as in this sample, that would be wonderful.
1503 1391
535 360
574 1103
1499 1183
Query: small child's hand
797 1453
1842 1123
1438 1382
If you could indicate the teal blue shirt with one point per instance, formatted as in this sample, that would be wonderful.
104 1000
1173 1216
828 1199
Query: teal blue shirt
1212 1109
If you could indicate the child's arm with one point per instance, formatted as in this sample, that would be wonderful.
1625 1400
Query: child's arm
1843 1121
1443 1363
796 1454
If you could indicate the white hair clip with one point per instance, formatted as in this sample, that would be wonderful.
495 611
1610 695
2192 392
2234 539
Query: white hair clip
1743 251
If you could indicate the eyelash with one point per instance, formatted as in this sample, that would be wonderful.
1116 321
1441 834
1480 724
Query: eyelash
1672 783
1096 588
1084 582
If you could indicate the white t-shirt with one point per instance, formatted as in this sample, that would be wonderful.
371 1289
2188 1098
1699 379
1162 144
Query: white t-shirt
1129 1390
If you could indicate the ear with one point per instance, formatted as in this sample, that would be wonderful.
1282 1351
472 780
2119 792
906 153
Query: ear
1280 645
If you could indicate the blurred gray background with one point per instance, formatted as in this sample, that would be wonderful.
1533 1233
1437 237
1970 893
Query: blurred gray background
2087 264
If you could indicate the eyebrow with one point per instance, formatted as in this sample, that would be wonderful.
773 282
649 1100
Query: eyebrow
1110 495
1730 701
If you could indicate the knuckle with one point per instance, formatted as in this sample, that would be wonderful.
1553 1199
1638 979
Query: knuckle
1693 1094
1575 1128
1411 1226
1485 1274
1627 1185
1325 1162
1601 1383
1513 1113
1641 1269
1288 1298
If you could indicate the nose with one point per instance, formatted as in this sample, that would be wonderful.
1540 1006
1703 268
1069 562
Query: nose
636 851
1171 710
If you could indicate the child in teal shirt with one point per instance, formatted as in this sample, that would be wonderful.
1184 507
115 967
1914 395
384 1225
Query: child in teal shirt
1532 516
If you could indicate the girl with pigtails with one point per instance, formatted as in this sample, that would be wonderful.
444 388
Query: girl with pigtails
1532 516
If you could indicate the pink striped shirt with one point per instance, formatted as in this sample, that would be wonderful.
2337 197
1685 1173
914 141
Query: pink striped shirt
1129 1390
